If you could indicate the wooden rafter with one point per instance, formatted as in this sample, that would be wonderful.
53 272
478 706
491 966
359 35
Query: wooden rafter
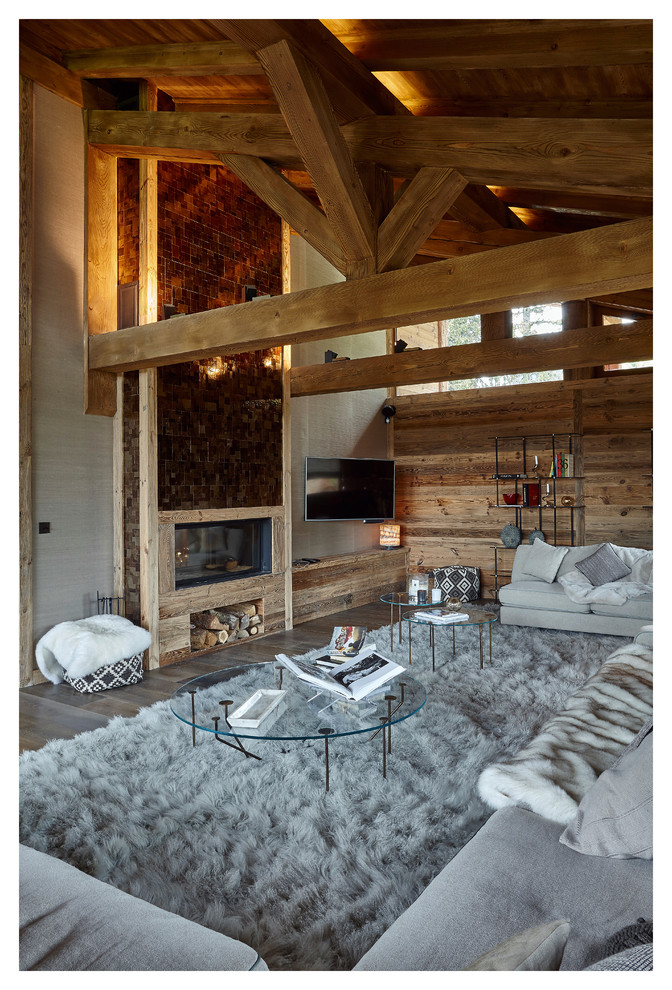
415 215
597 156
289 203
617 258
305 105
53 77
353 90
480 209
543 352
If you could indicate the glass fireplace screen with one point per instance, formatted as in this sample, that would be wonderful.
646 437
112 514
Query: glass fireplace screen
206 553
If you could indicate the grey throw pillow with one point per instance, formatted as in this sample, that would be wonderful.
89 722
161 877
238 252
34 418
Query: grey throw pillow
603 566
615 816
539 948
543 561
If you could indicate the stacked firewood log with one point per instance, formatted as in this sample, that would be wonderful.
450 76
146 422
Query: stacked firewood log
216 626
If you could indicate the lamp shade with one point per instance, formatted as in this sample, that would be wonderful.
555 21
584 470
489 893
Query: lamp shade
390 535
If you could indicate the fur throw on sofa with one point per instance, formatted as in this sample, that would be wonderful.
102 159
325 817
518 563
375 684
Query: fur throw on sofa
551 774
82 646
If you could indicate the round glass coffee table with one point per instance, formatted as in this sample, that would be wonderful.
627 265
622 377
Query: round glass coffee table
401 600
304 712
476 617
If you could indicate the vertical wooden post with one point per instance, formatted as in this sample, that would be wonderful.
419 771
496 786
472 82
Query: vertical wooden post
496 326
149 516
287 439
26 219
148 452
576 314
100 389
579 468
118 492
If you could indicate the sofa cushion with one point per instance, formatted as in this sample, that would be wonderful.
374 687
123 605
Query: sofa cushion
638 958
539 594
544 560
71 921
513 875
635 608
615 816
568 563
539 948
603 566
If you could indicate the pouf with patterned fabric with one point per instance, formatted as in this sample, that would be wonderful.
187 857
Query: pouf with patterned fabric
103 650
458 581
110 675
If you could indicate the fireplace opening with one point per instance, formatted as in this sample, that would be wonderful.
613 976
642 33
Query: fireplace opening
207 553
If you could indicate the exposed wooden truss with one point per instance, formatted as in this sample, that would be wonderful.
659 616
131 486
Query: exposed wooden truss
547 136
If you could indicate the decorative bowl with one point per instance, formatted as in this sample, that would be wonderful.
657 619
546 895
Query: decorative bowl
512 498
454 604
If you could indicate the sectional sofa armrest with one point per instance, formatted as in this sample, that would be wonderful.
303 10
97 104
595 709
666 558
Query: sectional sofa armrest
69 921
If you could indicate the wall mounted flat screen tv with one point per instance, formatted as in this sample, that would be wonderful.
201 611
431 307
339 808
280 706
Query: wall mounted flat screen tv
347 488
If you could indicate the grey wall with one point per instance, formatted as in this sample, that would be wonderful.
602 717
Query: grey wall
347 424
72 453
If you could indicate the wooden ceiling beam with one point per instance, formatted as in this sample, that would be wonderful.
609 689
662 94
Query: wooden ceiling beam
503 44
617 258
289 203
221 58
543 352
305 105
415 215
606 157
54 78
353 91
561 201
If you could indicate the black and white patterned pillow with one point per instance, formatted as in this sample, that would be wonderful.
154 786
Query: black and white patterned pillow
458 581
110 675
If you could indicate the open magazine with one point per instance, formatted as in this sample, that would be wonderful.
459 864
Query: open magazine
354 679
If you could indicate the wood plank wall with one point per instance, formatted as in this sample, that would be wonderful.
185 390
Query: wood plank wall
444 455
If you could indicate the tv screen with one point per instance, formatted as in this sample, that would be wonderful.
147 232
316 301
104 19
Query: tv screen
346 488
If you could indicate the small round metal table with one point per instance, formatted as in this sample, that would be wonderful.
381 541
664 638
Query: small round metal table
401 600
476 617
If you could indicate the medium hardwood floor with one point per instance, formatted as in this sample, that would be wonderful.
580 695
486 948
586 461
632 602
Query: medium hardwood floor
57 711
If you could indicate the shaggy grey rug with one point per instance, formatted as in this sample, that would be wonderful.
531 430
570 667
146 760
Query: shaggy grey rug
258 850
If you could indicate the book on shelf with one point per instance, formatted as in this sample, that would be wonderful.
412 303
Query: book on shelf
562 465
440 616
354 679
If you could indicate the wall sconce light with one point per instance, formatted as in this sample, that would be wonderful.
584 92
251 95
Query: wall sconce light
214 368
390 535
388 411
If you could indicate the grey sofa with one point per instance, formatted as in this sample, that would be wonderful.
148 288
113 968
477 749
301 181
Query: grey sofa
531 601
512 875
69 921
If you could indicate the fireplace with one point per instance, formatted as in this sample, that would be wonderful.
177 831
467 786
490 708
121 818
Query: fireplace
210 552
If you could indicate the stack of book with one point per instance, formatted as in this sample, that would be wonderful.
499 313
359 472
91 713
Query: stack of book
440 616
562 466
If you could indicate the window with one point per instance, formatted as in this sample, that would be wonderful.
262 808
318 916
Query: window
526 321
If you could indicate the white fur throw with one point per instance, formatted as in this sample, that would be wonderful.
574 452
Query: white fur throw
638 582
84 645
554 770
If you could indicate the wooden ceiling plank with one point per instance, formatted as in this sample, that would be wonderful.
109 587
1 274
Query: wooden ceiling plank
588 156
543 352
222 58
290 204
305 105
415 215
61 82
617 258
480 209
353 90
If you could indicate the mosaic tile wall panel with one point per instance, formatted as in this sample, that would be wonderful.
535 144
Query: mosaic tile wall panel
128 247
131 498
220 437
